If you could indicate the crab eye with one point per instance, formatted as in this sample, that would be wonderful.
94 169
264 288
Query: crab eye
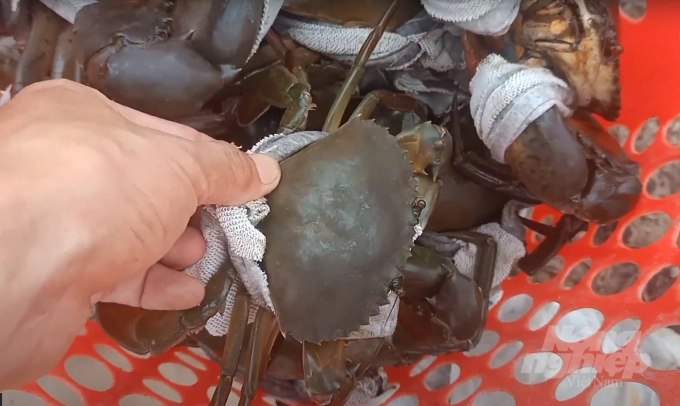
396 286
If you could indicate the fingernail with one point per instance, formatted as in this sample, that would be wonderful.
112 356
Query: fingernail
267 168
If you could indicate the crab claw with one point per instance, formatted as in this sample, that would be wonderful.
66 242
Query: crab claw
614 187
613 194
459 305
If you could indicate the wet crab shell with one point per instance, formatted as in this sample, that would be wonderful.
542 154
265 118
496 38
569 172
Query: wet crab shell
340 227
128 52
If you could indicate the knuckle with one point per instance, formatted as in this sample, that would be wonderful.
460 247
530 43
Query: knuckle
53 84
60 88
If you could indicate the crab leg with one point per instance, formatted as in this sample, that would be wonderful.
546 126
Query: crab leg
396 101
35 62
556 237
145 331
233 342
485 266
360 362
337 110
263 334
65 65
285 87
276 43
289 91
473 50
325 369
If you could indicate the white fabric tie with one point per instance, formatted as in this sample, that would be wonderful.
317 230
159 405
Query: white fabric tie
418 40
507 97
485 17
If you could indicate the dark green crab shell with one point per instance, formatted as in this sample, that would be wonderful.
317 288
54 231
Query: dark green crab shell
340 227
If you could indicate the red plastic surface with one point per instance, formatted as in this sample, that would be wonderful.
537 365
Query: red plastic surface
651 88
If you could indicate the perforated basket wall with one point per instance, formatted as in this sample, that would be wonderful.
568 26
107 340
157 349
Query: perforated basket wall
528 354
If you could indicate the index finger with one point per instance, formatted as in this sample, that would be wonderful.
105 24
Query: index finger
159 124
134 116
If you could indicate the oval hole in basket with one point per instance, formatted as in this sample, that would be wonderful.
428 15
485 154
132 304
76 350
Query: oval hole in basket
211 391
615 278
549 220
114 357
162 390
538 367
486 343
495 297
575 383
660 283
578 236
177 373
139 400
199 352
60 390
604 233
634 9
89 372
190 360
505 354
515 307
673 132
424 362
577 273
270 401
579 324
646 229
494 398
659 349
620 335
464 390
620 132
442 376
132 354
21 398
646 135
611 395
665 181
544 315
548 271
406 400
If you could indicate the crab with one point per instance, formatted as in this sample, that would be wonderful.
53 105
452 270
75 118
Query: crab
283 85
599 183
340 239
162 57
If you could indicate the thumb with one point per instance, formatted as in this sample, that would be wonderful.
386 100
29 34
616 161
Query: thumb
223 174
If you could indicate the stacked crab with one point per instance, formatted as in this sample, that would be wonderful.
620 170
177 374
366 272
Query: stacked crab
410 134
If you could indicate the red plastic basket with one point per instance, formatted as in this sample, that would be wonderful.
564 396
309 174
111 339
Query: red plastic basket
97 372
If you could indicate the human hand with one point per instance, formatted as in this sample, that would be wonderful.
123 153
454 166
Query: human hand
96 203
